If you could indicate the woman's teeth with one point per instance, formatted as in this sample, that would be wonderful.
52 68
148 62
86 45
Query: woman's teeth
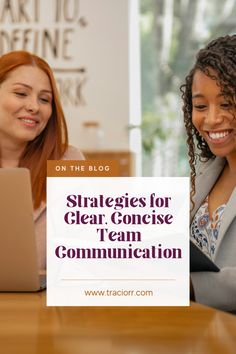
218 135
30 121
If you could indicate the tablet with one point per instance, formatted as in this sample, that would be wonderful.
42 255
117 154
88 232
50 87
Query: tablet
199 261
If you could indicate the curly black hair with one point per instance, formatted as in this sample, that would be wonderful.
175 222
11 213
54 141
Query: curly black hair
219 57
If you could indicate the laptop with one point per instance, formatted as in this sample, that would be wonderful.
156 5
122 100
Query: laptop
18 254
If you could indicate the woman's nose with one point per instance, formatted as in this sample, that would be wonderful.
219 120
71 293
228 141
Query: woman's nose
214 117
32 105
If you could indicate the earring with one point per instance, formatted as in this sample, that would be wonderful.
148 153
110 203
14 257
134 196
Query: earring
203 142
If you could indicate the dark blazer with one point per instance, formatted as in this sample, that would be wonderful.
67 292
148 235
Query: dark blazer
217 289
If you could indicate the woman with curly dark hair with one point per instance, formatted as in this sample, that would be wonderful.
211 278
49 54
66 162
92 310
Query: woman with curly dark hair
209 96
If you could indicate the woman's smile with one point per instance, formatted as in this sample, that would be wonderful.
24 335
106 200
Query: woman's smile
220 136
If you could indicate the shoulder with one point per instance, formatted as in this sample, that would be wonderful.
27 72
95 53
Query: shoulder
73 153
212 165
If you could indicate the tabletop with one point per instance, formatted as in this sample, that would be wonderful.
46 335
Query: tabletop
28 326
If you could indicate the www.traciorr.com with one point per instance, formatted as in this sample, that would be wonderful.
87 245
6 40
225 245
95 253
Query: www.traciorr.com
118 293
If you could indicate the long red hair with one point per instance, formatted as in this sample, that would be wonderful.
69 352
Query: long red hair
52 143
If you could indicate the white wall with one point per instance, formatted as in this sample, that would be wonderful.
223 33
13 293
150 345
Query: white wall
103 92
103 49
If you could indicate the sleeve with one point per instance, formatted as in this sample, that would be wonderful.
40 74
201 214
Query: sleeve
216 289
73 153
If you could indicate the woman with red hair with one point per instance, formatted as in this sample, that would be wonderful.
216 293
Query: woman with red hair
32 127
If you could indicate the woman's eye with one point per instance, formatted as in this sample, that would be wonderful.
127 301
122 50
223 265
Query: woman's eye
225 105
21 94
199 107
45 100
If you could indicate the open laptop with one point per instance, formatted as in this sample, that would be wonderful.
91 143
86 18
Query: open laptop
18 254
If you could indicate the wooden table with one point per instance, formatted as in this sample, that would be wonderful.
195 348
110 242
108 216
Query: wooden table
28 326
